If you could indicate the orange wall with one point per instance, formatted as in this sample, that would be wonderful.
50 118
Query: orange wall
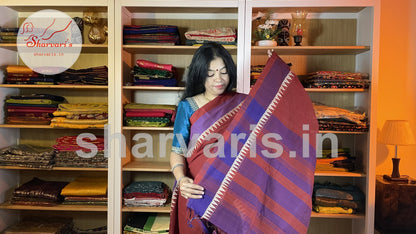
397 79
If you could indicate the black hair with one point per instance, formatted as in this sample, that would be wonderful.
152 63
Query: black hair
198 69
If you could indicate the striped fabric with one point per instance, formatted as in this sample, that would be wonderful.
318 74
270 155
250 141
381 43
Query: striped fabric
263 183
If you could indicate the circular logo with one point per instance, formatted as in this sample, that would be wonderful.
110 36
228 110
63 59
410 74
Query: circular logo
49 42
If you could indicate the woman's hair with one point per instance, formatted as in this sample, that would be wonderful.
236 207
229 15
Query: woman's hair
198 69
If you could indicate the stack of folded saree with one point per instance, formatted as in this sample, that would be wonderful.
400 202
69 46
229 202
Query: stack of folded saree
24 155
32 109
150 223
8 34
94 230
87 76
67 156
86 191
154 74
255 71
149 115
342 162
223 35
145 193
80 116
339 119
151 34
329 198
42 225
19 74
337 79
39 192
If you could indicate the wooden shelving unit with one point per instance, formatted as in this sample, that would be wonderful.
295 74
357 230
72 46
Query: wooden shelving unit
54 168
91 55
59 207
54 86
329 46
178 49
163 209
311 50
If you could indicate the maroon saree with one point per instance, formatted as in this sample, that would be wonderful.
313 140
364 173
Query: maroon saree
255 157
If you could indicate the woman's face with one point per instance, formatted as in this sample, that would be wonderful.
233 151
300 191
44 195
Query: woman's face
217 79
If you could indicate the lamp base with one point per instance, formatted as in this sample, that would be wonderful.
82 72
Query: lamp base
401 179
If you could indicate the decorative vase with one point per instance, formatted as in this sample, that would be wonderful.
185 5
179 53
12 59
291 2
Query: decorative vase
96 35
266 43
299 27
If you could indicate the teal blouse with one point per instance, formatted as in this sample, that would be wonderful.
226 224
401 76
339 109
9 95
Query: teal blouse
182 125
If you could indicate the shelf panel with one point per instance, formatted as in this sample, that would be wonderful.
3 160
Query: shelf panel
317 90
341 132
162 209
38 126
54 168
153 88
183 7
7 205
86 48
147 166
54 86
31 6
24 126
148 128
339 174
309 50
320 9
337 216
160 49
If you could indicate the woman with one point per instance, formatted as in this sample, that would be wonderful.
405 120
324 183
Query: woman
240 162
204 83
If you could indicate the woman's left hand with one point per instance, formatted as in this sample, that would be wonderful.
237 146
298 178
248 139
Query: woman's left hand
190 190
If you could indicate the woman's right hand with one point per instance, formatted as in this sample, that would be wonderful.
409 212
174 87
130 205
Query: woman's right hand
190 190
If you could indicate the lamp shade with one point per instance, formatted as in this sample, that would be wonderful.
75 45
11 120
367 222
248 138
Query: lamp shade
397 132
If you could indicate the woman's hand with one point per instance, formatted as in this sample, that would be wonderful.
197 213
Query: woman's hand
190 190
270 52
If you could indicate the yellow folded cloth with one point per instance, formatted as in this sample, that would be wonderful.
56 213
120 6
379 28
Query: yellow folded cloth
79 121
332 210
86 186
20 69
65 109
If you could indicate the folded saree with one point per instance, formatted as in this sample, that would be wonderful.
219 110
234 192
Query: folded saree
19 69
47 191
87 76
72 159
156 115
157 82
79 121
81 108
253 183
86 186
213 34
25 155
145 193
69 143
28 120
42 225
149 223
332 210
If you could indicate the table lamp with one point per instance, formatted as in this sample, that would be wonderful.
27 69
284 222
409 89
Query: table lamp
396 132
